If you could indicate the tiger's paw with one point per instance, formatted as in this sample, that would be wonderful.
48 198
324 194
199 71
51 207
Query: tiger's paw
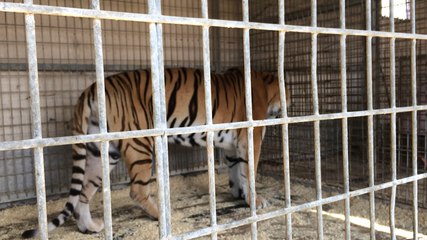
261 202
149 206
94 226
152 212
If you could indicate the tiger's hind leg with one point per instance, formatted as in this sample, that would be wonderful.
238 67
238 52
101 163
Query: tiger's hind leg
92 181
139 159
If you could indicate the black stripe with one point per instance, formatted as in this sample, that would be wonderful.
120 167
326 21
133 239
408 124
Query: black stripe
74 192
216 99
193 107
183 122
65 213
77 169
136 149
80 145
140 162
147 81
235 161
180 137
192 141
76 181
172 99
55 222
268 79
93 149
94 183
92 94
29 233
140 182
69 207
145 146
84 196
225 84
172 123
184 72
107 96
78 157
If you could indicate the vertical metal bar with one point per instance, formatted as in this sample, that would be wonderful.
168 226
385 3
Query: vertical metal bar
164 122
370 120
208 107
249 117
30 30
159 117
97 36
6 33
285 127
392 123
317 155
414 121
343 68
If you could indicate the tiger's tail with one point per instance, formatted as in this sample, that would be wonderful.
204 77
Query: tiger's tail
82 114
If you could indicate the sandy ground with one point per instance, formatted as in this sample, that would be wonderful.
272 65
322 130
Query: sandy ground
190 211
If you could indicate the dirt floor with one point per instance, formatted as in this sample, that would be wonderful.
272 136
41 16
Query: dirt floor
190 211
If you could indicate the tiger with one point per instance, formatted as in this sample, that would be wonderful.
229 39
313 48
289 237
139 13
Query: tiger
129 106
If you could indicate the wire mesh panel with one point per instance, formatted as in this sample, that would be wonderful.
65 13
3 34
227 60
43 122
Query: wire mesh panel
298 74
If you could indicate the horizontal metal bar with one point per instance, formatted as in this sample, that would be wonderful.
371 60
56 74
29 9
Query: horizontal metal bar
297 208
48 142
139 17
66 67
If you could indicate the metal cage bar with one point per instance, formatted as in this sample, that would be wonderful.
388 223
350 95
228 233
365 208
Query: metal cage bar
139 17
314 93
57 141
99 63
370 104
392 123
285 127
344 121
210 134
414 122
249 116
159 117
33 80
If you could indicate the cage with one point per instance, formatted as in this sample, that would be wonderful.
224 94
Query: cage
354 129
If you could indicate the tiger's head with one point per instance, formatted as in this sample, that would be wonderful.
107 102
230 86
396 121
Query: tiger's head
273 93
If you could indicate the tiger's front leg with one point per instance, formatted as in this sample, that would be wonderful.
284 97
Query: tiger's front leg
138 157
239 169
